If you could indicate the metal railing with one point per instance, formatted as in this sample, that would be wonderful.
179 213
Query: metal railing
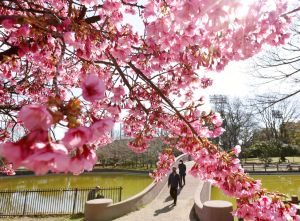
51 201
271 167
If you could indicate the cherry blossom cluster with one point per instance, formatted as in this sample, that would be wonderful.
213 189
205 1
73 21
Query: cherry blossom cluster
7 170
266 206
206 82
36 151
165 161
81 66
223 170
4 134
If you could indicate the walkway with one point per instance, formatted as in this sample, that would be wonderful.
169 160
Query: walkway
161 208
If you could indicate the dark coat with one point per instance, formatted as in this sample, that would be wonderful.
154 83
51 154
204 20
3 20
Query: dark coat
174 180
182 169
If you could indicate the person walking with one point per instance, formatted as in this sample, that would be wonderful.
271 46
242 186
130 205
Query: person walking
182 172
174 182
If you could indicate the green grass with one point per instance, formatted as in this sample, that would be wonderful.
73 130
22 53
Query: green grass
138 168
121 167
274 160
78 217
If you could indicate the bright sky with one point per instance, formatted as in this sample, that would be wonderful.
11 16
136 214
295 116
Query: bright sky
232 81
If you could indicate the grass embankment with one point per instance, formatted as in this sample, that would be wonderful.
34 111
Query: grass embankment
78 217
274 160
118 167
121 167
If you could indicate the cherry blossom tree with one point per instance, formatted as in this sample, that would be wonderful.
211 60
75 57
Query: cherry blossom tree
6 169
78 64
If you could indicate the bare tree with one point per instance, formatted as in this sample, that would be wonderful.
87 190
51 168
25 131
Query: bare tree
117 153
239 124
273 117
281 66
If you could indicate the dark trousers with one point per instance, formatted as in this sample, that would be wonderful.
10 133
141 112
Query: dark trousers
173 193
182 179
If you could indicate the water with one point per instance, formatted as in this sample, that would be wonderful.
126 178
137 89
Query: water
287 184
63 202
131 183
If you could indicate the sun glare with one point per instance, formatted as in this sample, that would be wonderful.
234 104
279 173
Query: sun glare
246 5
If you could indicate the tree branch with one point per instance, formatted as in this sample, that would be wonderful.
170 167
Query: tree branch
92 19
126 81
167 100
9 52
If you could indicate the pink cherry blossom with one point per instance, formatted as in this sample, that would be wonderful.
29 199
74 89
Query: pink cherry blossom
7 169
165 161
216 119
8 23
48 157
93 88
206 82
11 152
237 150
77 137
89 2
118 93
84 159
18 152
69 38
24 31
4 135
35 117
100 127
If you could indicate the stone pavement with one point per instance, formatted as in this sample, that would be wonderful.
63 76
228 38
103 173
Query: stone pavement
162 208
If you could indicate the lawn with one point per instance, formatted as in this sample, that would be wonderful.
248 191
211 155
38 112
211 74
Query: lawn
139 167
274 160
48 218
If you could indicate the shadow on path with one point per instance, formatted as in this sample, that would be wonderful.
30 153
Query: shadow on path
169 198
166 209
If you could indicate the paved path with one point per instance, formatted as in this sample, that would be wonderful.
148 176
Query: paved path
162 209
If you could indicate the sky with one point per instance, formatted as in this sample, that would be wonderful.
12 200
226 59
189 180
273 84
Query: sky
232 81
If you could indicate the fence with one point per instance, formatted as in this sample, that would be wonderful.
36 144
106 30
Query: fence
51 201
271 167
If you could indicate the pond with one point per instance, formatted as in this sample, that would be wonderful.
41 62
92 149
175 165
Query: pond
287 184
131 183
48 201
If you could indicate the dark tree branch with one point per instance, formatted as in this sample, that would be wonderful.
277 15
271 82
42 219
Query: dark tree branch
273 102
8 53
167 100
82 13
93 19
10 107
121 73
132 4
